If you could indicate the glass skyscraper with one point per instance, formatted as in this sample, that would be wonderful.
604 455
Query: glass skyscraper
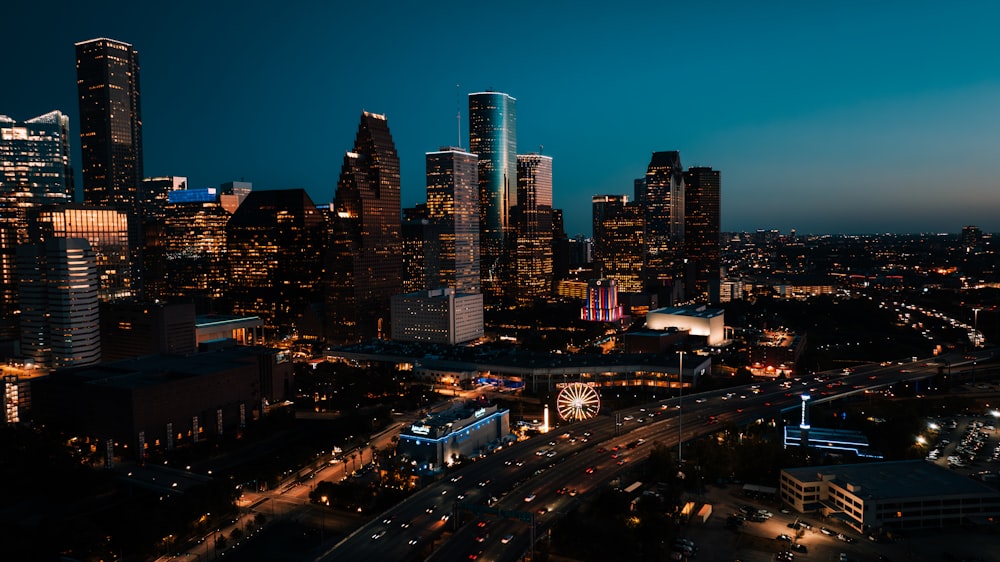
663 204
453 216
34 170
533 229
107 78
493 138
702 188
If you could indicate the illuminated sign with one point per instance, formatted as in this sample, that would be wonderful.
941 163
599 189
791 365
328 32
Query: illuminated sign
420 429
480 412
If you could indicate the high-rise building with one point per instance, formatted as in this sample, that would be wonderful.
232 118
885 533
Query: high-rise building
105 229
186 251
437 316
136 329
232 194
154 194
107 79
419 243
275 244
560 249
702 197
34 170
60 318
532 237
663 203
365 264
602 302
619 241
493 138
453 213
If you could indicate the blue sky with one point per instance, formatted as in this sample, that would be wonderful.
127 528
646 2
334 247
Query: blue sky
825 117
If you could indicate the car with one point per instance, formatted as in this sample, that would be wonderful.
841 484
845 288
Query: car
799 547
456 478
784 537
542 510
827 532
378 535
506 539
431 509
844 538
590 470
414 541
482 523
446 517
388 519
475 555
529 497
404 524
550 454
572 491
485 483
482 537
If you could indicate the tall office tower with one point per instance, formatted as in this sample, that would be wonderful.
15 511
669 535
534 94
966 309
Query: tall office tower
453 213
702 201
365 266
34 170
971 237
663 202
105 229
619 241
275 245
107 80
532 237
154 194
186 253
560 249
493 138
418 244
60 319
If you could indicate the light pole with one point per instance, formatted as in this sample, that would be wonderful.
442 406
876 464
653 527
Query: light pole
322 519
975 341
680 408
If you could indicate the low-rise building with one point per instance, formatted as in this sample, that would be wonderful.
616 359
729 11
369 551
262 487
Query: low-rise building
440 439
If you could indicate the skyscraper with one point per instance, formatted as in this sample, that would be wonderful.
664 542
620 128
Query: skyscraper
663 204
275 244
107 78
60 319
34 170
453 212
702 198
106 231
493 138
619 243
365 264
532 238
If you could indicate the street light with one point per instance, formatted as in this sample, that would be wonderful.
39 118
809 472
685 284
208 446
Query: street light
975 341
322 519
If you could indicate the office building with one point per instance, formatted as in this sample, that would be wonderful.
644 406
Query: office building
186 252
154 194
560 249
233 193
702 236
493 138
107 78
34 170
132 329
453 213
275 244
58 292
879 498
420 243
437 316
365 264
532 236
105 229
619 241
662 201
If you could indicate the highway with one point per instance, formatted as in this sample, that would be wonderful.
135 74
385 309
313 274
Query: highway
538 469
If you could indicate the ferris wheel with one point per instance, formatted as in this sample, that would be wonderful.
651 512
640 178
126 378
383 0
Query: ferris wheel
578 401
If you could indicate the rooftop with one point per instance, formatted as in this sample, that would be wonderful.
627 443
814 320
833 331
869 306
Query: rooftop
896 479
694 310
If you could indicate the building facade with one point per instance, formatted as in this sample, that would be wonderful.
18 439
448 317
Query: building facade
440 440
34 171
662 200
702 233
602 302
107 78
493 138
58 291
437 316
132 329
453 214
365 264
619 241
533 233
699 320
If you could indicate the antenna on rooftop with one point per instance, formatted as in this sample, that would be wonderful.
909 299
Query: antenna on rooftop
458 113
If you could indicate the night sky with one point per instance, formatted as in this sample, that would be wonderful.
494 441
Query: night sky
826 117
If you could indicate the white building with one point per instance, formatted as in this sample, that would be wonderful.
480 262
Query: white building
699 320
440 439
437 316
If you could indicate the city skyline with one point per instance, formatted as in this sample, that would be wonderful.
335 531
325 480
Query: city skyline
853 121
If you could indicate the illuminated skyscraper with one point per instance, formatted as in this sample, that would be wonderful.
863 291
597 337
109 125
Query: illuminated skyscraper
365 265
419 242
34 170
663 203
105 229
702 188
453 212
532 240
619 243
493 138
60 319
275 244
107 78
